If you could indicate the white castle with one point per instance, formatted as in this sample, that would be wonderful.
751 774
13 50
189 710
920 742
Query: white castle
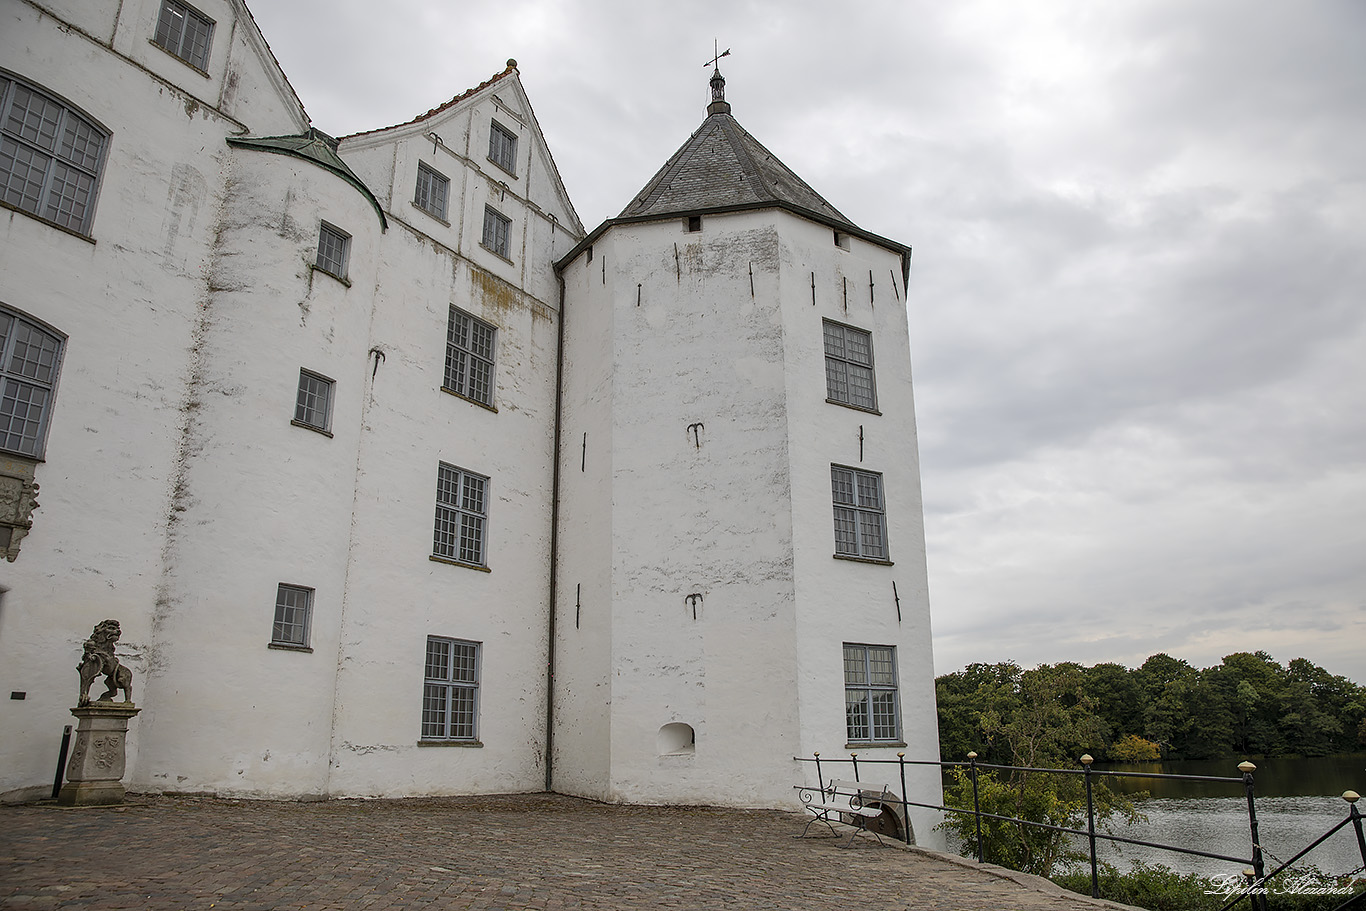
402 483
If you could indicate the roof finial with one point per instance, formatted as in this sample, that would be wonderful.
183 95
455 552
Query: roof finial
718 82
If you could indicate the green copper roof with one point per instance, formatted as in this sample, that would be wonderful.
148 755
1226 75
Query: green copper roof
320 149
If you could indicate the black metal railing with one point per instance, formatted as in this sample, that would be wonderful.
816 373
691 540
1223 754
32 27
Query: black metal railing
1257 877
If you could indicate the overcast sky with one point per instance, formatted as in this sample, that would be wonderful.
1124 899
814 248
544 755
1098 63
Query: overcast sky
1137 295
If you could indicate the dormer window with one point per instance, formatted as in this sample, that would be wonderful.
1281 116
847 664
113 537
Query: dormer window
503 147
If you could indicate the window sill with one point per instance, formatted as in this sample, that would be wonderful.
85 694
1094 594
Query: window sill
500 166
854 559
332 275
435 559
287 647
429 213
497 254
51 224
460 395
176 56
854 407
475 744
298 423
875 745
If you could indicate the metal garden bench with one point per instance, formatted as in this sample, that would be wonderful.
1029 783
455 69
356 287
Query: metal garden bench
842 798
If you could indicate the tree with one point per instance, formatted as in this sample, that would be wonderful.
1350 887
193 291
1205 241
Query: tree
1053 722
1132 748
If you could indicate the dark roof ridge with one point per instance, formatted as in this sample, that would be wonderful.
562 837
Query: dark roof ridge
492 80
728 126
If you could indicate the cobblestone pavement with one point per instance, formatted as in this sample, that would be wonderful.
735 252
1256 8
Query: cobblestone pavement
504 853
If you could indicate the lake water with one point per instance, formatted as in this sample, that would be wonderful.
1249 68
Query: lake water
1297 801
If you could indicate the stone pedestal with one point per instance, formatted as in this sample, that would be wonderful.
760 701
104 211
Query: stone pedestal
94 775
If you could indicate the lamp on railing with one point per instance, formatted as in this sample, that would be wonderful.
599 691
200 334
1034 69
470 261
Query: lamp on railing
976 805
1258 865
1086 761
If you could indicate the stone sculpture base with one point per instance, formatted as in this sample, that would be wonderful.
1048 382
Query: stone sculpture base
94 775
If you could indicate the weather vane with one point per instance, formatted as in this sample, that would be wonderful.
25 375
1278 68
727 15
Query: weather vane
715 61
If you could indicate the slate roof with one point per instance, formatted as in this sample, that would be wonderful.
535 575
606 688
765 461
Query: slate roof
316 147
721 165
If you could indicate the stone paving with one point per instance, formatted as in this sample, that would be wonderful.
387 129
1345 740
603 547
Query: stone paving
505 853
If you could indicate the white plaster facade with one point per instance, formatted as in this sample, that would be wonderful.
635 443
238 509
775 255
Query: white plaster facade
177 494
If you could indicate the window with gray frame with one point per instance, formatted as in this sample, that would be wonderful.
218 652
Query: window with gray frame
870 701
313 405
293 616
185 32
849 366
860 514
470 345
30 357
334 247
496 227
432 191
502 147
461 515
50 156
450 690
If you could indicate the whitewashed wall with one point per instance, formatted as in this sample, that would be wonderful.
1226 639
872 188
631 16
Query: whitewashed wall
128 299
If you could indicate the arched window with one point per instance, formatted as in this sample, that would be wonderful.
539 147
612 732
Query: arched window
30 356
50 156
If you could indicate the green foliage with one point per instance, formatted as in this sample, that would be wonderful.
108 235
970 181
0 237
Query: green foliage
1051 798
1132 748
1246 705
1037 718
1160 889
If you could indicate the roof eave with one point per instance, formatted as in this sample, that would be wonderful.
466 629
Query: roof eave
852 230
257 145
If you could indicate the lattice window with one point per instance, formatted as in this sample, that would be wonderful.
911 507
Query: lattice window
293 616
461 515
860 513
50 156
496 229
433 191
470 347
313 405
30 357
185 32
870 694
450 690
334 248
503 147
849 366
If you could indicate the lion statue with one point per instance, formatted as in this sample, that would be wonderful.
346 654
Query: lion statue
99 659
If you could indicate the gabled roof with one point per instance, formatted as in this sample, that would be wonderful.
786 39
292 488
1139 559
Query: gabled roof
721 165
509 80
316 147
492 80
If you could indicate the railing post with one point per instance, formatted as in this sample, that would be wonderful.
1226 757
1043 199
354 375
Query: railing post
66 744
905 810
1086 761
1258 865
854 758
1352 797
976 805
820 782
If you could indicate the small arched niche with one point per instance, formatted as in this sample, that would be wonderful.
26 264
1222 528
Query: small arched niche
675 737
